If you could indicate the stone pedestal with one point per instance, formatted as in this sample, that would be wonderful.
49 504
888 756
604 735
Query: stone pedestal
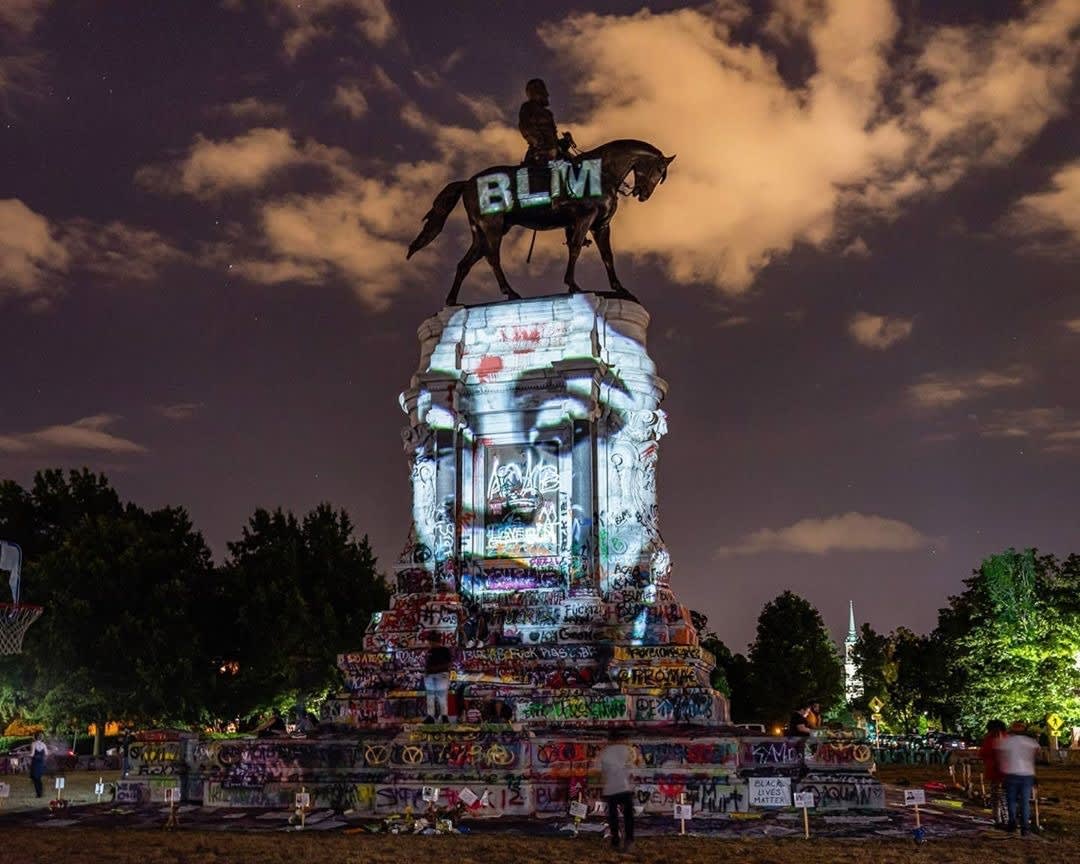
535 552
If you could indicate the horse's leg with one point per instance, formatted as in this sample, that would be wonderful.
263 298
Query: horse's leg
575 238
493 234
474 254
602 235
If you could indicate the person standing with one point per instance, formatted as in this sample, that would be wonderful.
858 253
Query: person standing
1017 751
798 725
39 752
616 761
437 679
995 731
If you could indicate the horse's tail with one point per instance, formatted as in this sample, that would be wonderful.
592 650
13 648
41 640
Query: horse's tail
443 206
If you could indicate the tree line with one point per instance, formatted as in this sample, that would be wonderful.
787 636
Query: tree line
1006 647
141 626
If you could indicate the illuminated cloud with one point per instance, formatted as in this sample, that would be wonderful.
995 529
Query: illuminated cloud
30 253
1072 326
763 163
87 433
857 248
846 532
1051 218
879 332
117 250
179 410
350 98
242 163
252 109
303 22
944 389
21 16
1049 428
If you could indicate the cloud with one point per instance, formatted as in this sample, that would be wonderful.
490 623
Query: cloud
179 410
87 433
764 163
857 248
879 332
944 389
1051 218
1049 428
303 22
252 109
246 162
351 99
30 253
35 254
21 16
846 532
117 250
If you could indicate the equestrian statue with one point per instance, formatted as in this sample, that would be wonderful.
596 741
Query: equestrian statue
554 187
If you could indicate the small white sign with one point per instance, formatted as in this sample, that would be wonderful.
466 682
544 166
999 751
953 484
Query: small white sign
804 799
914 796
430 793
770 791
468 797
579 809
61 782
303 799
99 788
684 811
5 790
172 795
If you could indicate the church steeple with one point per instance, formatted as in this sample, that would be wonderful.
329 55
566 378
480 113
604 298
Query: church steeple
853 687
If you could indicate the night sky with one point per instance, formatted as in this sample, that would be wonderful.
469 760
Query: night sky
862 271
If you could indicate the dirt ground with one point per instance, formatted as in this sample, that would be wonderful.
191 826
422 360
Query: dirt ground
56 840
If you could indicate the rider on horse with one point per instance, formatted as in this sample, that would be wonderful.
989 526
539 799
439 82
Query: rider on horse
537 126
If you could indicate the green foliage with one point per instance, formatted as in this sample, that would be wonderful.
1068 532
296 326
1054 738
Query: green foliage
119 586
291 597
138 622
792 660
1014 639
906 671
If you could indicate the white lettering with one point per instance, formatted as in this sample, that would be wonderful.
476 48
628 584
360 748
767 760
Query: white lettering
527 198
494 192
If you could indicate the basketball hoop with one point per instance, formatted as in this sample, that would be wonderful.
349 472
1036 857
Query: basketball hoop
14 622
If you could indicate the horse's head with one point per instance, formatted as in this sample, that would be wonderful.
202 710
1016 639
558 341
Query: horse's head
648 174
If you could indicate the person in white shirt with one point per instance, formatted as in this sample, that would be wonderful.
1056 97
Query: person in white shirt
616 761
1016 753
39 752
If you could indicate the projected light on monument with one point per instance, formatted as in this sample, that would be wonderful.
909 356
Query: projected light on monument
533 439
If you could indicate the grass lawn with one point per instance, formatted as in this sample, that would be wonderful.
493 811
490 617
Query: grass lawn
74 845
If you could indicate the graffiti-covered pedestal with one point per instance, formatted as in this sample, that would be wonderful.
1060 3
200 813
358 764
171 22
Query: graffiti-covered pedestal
535 553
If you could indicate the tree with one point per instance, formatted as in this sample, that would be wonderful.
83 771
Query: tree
792 659
1013 638
902 669
291 597
121 589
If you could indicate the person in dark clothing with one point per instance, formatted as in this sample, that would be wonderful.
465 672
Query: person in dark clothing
437 679
38 753
537 126
798 727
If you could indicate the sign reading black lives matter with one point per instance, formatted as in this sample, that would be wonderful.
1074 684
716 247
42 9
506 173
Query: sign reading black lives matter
770 791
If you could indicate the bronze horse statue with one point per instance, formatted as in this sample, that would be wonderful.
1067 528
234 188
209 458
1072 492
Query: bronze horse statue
574 204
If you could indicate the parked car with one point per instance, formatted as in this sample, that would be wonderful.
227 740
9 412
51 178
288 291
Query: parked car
60 757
